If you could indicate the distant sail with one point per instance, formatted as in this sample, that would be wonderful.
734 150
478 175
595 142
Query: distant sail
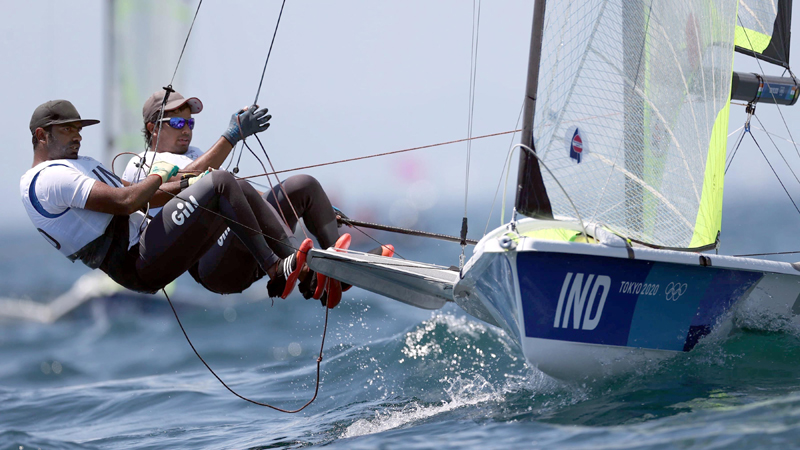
764 30
632 114
146 37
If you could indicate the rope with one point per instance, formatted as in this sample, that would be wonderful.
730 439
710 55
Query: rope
770 90
340 161
143 163
352 225
476 22
185 42
745 129
769 254
319 362
408 231
507 169
266 236
779 152
263 72
776 174
283 189
244 142
117 156
271 188
566 194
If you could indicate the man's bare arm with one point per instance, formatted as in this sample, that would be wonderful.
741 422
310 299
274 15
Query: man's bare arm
124 200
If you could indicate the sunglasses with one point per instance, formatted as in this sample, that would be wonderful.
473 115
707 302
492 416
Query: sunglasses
178 122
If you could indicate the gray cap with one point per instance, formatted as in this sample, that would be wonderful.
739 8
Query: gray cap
56 112
176 100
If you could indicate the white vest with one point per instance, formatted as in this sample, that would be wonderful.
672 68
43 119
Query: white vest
70 229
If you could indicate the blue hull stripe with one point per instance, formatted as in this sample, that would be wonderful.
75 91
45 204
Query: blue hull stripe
623 302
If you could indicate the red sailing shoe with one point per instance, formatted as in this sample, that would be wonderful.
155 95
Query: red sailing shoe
343 243
288 271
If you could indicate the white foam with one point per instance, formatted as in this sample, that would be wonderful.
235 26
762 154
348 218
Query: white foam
461 392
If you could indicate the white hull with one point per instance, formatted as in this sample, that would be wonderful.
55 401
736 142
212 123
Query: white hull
606 325
584 310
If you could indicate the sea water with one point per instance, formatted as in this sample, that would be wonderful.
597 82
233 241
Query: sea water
117 373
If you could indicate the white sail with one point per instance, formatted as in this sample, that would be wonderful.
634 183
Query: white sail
632 99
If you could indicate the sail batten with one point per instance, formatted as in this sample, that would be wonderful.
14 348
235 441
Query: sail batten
628 111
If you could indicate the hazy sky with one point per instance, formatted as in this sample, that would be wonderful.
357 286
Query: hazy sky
346 79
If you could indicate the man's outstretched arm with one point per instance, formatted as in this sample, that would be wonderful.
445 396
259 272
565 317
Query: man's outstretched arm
128 199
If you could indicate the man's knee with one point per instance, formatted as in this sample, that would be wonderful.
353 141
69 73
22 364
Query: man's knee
304 184
247 188
222 176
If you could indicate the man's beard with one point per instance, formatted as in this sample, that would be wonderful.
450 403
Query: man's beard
66 151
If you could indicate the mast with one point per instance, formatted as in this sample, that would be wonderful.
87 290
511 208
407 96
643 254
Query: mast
532 199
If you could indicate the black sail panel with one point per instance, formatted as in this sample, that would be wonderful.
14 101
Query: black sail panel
763 30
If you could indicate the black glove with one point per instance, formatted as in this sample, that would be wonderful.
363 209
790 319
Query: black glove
247 123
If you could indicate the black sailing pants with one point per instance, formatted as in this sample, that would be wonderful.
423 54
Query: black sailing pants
228 266
185 229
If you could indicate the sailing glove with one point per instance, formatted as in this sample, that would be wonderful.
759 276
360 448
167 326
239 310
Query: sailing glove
247 122
163 169
187 181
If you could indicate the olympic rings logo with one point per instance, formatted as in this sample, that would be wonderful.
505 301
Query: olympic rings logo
675 290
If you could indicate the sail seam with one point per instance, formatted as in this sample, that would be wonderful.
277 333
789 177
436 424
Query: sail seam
644 184
663 120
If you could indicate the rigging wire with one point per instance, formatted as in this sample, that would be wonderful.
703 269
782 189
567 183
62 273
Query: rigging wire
770 90
508 171
244 141
185 42
775 135
769 254
168 90
283 189
566 194
745 129
507 165
370 237
274 33
776 174
340 161
779 152
476 22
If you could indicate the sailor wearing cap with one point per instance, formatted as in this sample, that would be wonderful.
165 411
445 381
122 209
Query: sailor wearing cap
228 267
87 213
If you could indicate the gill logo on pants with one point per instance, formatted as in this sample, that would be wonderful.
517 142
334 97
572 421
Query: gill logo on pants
221 239
185 209
576 299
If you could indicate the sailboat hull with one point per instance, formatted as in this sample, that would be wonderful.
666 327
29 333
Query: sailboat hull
580 310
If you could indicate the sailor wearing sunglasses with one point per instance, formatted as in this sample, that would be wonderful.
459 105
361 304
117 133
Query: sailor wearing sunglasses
228 266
